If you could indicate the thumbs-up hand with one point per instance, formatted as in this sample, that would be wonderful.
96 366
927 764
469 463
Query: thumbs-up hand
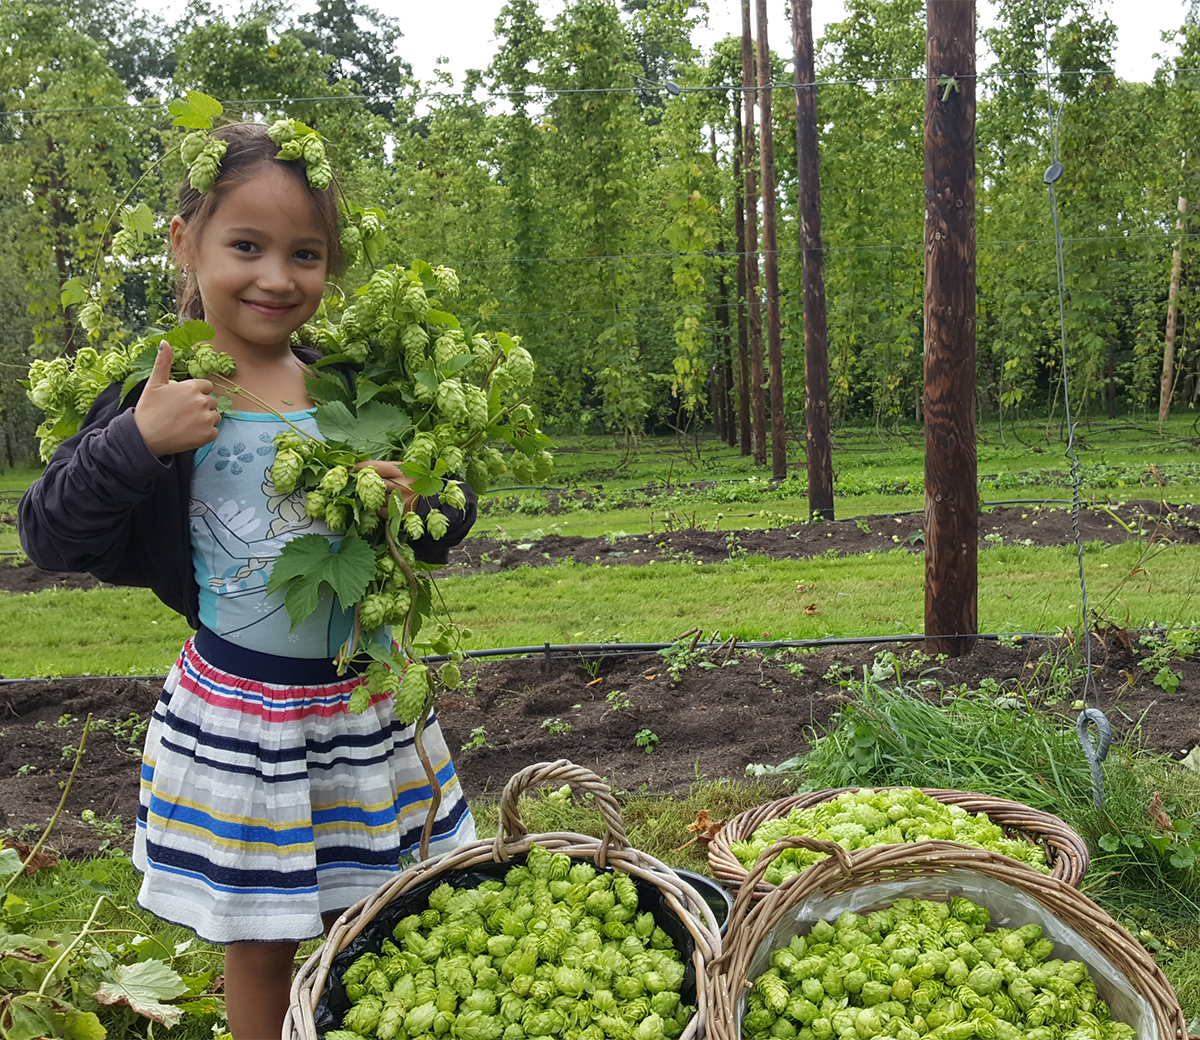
174 417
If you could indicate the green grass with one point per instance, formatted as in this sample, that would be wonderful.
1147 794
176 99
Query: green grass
88 632
128 632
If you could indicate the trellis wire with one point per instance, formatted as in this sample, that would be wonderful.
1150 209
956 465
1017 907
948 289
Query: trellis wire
1095 752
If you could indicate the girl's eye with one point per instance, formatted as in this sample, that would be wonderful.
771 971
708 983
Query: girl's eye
245 247
307 254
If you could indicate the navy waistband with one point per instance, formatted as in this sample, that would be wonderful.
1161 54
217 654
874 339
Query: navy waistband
268 668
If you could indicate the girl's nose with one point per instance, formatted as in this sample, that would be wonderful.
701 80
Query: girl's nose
276 276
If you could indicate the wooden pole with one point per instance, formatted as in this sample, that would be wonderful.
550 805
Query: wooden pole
739 226
727 431
951 498
770 246
812 252
1168 372
757 395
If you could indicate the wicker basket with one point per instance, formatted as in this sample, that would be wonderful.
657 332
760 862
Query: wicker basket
752 920
1067 853
613 851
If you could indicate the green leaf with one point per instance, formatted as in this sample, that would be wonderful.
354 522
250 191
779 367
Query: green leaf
140 219
442 318
366 390
1109 842
1183 858
310 561
427 376
186 335
83 1025
423 271
457 362
10 862
196 112
370 431
73 291
143 987
328 387
29 1016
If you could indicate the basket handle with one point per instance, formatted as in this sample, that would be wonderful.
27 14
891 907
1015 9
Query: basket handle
560 772
744 901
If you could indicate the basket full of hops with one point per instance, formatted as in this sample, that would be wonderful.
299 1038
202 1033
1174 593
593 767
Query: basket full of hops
557 935
863 817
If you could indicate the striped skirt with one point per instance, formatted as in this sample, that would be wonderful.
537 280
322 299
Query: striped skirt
265 802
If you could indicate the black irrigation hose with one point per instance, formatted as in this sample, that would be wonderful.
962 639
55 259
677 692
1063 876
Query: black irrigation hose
563 650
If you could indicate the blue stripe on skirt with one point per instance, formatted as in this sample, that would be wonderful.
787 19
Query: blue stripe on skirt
266 804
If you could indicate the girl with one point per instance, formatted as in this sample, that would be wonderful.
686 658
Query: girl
266 807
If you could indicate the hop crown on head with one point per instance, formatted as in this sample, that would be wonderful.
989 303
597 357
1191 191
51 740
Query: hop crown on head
202 152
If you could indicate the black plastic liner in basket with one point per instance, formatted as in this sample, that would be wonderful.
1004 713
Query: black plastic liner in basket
333 1003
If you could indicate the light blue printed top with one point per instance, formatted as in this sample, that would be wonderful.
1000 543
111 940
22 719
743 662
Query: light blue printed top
239 525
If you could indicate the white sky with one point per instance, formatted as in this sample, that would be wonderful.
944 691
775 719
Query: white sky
461 30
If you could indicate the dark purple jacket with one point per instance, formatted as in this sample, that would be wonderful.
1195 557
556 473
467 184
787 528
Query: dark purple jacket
107 505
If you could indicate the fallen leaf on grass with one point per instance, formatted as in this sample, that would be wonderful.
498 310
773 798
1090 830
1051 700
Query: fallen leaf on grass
143 987
801 588
42 861
811 609
1192 759
705 828
1158 814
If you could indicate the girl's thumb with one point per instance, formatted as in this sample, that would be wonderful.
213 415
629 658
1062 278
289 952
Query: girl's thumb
160 375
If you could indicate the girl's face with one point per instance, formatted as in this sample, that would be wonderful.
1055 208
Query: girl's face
259 261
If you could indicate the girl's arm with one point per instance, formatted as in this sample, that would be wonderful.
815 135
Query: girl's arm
76 515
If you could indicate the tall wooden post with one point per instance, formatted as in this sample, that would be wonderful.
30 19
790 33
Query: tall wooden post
951 498
728 431
816 333
757 396
766 152
739 227
1168 372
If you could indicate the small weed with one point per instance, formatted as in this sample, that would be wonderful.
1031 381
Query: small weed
556 727
110 828
862 525
26 769
68 752
478 739
734 547
618 700
794 669
647 740
65 720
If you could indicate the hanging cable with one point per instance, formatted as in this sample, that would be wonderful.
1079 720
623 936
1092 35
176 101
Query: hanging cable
1095 751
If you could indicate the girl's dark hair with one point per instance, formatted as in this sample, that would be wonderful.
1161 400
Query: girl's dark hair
249 148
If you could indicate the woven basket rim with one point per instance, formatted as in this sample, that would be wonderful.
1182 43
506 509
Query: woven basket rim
610 851
845 871
1068 859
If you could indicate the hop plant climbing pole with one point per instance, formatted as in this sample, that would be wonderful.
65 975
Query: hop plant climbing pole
951 500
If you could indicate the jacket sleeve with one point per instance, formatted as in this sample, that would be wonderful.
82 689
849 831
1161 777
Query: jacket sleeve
78 516
437 551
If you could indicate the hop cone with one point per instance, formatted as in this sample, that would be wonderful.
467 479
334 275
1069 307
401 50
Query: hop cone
372 612
774 992
451 678
398 604
281 131
414 688
452 402
370 488
477 408
191 146
334 480
437 524
414 526
337 516
414 339
626 891
286 471
453 496
314 150
314 505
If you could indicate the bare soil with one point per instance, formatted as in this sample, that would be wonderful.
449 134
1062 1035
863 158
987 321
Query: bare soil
711 722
